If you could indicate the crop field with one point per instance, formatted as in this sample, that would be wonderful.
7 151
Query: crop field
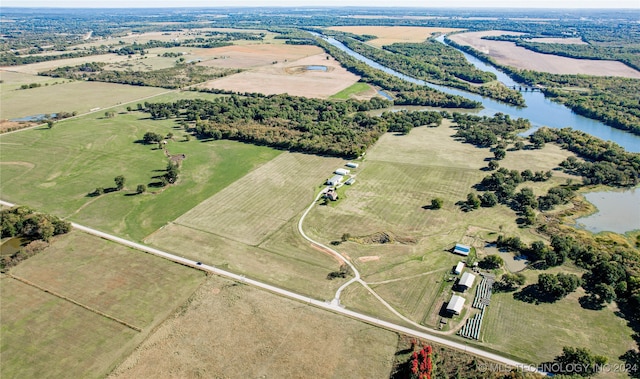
568 41
507 53
251 56
68 96
255 206
230 330
392 34
538 332
54 170
47 336
291 77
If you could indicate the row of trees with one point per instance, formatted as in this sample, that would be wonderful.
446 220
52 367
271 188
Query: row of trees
182 75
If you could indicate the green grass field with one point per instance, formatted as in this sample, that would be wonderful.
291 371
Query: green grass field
78 96
537 333
53 170
354 89
46 336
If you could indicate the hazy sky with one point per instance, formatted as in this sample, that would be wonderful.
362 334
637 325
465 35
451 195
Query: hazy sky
634 4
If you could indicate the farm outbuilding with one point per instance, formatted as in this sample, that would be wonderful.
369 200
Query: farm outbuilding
331 194
455 304
334 180
466 281
461 249
341 171
459 268
352 165
350 181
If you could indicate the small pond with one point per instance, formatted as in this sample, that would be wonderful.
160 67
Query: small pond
35 117
385 95
10 246
618 212
316 68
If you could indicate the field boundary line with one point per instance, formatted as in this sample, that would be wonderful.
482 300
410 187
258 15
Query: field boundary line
112 318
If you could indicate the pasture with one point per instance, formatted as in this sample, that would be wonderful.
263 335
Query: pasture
253 56
259 203
507 53
54 170
396 182
537 333
35 68
235 331
392 34
47 336
66 96
292 77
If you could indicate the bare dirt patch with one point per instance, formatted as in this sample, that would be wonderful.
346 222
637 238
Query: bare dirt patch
568 41
383 238
391 34
509 54
249 56
287 77
243 332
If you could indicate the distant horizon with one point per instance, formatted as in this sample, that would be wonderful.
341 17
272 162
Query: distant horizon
429 4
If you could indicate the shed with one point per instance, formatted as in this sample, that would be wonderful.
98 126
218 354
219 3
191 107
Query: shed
350 181
334 180
352 165
455 304
341 171
466 281
461 249
459 268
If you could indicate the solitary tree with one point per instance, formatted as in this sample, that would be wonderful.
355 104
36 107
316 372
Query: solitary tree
50 124
436 203
141 188
119 182
499 153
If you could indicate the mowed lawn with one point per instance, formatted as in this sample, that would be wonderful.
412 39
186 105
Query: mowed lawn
46 336
66 96
250 227
259 203
537 333
231 330
54 170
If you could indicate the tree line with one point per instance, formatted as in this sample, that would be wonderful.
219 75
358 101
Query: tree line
338 128
436 63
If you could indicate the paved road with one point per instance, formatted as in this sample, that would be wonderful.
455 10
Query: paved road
330 306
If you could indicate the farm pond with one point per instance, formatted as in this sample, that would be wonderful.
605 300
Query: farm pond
618 212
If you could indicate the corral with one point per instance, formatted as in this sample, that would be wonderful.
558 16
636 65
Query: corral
509 54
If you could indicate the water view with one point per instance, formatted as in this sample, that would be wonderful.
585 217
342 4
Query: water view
618 212
539 110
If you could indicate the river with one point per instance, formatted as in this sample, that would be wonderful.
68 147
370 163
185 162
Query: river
539 110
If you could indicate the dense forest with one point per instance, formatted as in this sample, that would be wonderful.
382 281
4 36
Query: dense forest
338 128
436 63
